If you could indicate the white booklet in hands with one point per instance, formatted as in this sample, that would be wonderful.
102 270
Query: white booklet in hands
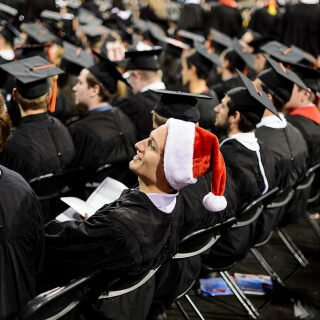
108 191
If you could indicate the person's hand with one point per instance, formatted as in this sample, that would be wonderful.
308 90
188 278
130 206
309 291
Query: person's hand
85 217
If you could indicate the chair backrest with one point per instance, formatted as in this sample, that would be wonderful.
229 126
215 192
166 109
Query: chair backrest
282 197
55 303
253 210
124 285
201 240
54 185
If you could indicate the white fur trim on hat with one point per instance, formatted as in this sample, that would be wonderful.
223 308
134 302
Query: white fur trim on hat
309 1
214 203
178 153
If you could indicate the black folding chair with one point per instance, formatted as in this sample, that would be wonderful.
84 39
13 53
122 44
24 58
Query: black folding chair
193 244
313 198
50 187
246 216
55 303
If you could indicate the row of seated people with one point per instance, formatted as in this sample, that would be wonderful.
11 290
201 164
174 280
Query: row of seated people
249 103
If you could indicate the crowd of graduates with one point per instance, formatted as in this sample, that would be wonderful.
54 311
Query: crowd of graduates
92 84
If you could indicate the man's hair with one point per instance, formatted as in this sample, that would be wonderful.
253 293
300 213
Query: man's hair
32 104
277 102
149 75
244 124
312 95
200 74
104 93
5 123
157 119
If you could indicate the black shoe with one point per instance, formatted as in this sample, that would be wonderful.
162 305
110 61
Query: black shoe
157 311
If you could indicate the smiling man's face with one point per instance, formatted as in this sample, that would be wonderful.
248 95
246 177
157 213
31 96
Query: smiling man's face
148 162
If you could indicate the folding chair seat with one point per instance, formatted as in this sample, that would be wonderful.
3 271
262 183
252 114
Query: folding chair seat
57 302
246 217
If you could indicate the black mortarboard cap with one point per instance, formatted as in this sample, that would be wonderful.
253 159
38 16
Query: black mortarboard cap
32 75
144 60
139 25
203 60
75 58
107 73
175 47
309 76
179 105
189 37
306 57
8 31
37 32
87 17
280 80
94 32
283 53
157 33
260 41
220 40
8 10
251 101
243 53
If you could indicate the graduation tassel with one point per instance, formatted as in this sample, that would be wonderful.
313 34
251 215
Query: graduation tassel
52 105
272 9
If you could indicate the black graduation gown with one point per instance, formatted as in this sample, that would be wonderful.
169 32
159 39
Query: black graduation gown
244 168
103 137
291 154
301 27
126 237
311 133
138 108
207 114
40 144
225 19
21 245
222 87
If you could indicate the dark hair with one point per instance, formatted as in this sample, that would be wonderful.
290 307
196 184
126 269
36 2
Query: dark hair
200 73
277 102
5 123
244 124
104 93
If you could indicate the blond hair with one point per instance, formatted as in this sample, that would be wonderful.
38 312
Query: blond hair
159 8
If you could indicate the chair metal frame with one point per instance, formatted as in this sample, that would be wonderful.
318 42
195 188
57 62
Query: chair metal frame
247 215
190 246
124 285
46 306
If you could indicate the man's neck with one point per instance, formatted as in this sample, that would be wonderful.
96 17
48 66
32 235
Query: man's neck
197 86
25 113
147 188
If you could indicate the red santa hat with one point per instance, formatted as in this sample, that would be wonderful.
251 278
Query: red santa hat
191 152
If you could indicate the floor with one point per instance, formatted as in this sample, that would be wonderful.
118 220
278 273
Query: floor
299 299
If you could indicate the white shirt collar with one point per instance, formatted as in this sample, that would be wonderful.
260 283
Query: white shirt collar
248 139
164 202
154 86
273 122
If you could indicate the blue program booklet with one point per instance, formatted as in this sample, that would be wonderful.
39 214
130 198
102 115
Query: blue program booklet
248 283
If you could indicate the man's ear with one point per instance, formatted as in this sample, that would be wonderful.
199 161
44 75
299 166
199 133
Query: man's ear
235 118
14 94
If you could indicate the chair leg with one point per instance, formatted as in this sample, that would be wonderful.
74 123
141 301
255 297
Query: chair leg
292 247
265 265
183 312
245 302
194 307
315 227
